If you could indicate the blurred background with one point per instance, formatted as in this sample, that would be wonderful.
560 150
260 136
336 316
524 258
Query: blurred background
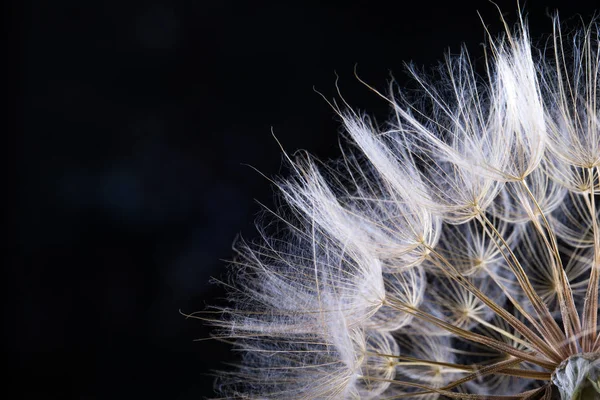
128 178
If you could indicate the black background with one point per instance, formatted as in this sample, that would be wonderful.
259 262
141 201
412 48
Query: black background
127 184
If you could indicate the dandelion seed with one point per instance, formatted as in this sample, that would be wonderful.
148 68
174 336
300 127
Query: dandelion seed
454 253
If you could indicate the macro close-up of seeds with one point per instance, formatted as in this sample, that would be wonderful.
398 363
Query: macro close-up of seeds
452 251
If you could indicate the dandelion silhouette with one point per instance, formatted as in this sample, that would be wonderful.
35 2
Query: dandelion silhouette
452 253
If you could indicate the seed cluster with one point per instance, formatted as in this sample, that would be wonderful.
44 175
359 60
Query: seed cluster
453 252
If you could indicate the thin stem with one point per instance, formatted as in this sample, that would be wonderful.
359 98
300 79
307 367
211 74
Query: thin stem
500 331
453 395
549 328
535 340
590 305
474 337
568 310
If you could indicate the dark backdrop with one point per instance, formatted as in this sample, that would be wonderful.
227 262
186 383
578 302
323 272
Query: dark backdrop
127 184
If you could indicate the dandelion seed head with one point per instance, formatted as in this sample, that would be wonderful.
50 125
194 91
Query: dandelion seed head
453 252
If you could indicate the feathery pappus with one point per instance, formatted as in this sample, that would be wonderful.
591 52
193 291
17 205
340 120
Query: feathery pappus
450 253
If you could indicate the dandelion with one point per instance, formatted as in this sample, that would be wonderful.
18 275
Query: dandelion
451 253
